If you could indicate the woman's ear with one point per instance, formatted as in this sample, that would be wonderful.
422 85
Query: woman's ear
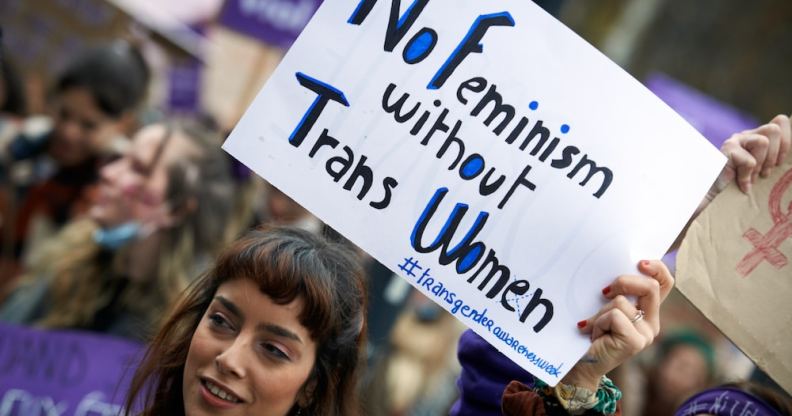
306 394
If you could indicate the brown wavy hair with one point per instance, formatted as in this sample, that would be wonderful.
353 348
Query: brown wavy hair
285 263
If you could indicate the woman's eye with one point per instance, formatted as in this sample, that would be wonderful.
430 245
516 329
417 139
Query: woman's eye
276 352
217 321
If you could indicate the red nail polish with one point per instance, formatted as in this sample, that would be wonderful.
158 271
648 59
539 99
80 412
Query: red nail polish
606 290
581 324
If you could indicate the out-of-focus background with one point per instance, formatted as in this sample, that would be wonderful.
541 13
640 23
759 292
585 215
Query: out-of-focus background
724 65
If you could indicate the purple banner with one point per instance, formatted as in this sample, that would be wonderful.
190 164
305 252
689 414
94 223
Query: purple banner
713 119
276 22
65 373
185 87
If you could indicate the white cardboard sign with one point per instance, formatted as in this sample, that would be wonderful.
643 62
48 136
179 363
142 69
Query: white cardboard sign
486 154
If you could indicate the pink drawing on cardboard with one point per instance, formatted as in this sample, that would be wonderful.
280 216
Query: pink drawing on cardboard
766 246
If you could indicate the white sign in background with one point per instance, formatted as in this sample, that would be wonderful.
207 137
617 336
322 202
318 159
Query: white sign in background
520 259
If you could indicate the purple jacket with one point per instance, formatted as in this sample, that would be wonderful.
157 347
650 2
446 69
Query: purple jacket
485 374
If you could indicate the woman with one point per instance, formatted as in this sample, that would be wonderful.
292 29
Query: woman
160 211
276 327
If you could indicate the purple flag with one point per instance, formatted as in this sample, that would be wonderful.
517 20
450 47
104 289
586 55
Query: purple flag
184 87
63 372
276 22
713 119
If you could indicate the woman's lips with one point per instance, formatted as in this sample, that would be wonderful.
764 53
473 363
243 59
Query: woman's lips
218 396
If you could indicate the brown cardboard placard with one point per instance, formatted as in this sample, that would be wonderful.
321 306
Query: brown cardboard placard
735 265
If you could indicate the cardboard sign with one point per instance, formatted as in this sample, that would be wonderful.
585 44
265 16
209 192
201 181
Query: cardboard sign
734 265
63 372
486 154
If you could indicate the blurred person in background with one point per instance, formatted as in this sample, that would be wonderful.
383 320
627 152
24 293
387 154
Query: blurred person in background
743 398
13 105
280 209
13 109
53 173
685 364
159 216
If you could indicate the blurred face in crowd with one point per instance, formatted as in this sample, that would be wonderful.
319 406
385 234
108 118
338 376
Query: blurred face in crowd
683 372
133 188
248 356
81 128
282 209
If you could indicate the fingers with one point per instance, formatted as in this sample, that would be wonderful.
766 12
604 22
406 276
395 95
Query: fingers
650 293
746 152
772 132
658 271
785 138
756 152
644 325
618 325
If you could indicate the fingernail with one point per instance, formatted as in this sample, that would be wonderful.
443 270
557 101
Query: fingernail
581 324
606 290
645 263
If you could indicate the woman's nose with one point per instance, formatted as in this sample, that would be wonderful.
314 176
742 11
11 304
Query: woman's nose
231 361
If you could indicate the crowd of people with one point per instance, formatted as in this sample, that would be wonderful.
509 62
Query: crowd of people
250 304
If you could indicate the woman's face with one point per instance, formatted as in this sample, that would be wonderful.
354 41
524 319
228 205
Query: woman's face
248 356
133 187
683 372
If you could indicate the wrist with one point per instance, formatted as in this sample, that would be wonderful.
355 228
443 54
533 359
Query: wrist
581 378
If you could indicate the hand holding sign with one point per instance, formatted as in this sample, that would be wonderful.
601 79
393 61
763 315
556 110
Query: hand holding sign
754 152
621 328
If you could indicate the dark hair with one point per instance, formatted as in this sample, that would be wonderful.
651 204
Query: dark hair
116 75
286 263
15 102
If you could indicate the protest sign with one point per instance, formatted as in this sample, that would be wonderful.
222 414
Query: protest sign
734 266
486 154
63 372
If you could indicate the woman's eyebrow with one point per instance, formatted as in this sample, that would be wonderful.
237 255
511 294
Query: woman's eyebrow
279 331
230 306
